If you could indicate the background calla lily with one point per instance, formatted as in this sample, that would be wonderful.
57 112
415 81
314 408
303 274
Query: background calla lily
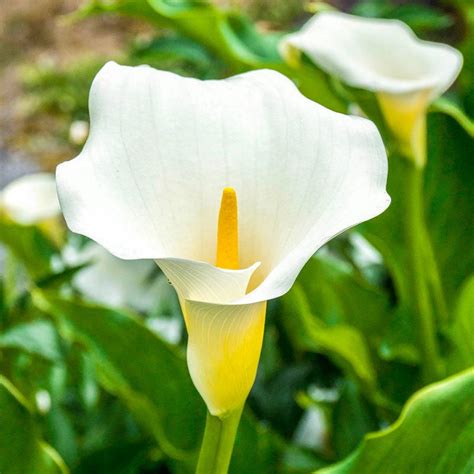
111 281
383 56
31 199
149 180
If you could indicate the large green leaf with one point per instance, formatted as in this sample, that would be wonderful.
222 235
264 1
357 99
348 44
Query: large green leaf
434 434
21 449
138 367
337 295
344 344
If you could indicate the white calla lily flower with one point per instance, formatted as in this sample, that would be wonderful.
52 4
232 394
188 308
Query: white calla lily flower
383 56
31 199
163 149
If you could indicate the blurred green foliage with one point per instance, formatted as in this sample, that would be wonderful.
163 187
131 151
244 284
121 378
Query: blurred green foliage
106 391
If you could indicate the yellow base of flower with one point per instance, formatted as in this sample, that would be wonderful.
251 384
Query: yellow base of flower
406 117
223 352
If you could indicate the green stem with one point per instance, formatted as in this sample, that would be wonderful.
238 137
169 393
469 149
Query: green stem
434 280
218 443
415 233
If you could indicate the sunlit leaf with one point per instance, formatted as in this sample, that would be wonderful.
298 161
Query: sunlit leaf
434 434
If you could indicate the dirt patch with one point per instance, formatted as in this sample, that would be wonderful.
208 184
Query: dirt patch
36 32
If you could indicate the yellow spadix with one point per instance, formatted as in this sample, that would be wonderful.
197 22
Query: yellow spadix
225 340
227 254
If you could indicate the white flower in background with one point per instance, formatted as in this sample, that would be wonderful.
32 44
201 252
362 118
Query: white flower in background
110 280
383 56
31 199
117 283
78 132
364 254
169 328
165 164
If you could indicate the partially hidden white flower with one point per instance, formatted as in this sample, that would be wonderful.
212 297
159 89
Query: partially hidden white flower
383 56
31 199
111 281
364 254
148 185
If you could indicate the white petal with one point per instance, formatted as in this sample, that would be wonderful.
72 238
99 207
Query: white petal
162 148
199 281
376 54
31 198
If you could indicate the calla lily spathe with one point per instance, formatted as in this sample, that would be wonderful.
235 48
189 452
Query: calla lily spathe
383 56
149 181
31 199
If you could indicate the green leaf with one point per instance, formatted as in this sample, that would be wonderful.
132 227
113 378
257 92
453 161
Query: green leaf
138 367
337 295
461 331
445 106
342 343
178 54
434 434
36 337
21 448
29 245
419 17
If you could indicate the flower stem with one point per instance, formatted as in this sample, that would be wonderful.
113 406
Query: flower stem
434 281
218 443
417 248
